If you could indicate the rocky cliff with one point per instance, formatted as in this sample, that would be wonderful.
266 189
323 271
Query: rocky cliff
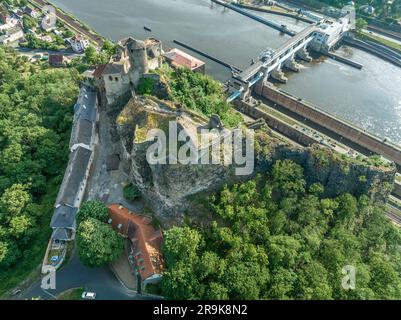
167 187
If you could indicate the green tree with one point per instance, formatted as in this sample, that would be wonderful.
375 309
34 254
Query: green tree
14 199
288 177
131 192
28 22
98 243
93 209
313 282
91 55
180 282
361 24
385 281
285 242
180 244
20 225
9 254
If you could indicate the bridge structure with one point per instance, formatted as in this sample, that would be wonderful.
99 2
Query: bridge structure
271 63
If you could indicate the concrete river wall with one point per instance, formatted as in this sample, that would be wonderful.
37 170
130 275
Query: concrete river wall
274 123
375 49
367 141
281 28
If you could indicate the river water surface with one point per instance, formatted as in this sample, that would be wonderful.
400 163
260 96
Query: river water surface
370 98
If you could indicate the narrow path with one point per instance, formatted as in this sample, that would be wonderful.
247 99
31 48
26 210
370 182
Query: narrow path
100 280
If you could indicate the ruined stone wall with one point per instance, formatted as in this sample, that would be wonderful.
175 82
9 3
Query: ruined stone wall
116 85
168 189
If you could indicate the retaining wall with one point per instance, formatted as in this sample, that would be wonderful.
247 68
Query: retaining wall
274 123
323 119
397 189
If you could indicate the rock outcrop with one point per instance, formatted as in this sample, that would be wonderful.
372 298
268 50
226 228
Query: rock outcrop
167 187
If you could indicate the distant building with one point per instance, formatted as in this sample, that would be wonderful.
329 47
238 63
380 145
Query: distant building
31 12
79 43
85 118
46 38
63 223
145 242
178 58
11 23
4 15
330 32
46 24
72 189
367 9
12 35
57 60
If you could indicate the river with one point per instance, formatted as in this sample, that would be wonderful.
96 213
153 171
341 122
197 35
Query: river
370 98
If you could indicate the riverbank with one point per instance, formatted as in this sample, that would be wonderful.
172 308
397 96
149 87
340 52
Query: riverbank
375 48
390 44
275 10
72 22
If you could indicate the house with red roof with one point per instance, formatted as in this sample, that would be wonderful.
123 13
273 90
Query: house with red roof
145 242
178 58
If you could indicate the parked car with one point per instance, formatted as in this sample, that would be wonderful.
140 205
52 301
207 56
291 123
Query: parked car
88 295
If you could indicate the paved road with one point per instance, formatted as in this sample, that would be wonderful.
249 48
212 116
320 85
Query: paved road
367 31
31 52
75 274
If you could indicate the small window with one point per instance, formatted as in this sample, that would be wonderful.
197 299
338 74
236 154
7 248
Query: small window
116 79
110 78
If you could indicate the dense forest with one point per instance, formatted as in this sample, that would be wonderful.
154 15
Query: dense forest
36 108
274 237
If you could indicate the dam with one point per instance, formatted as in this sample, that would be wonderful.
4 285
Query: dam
368 98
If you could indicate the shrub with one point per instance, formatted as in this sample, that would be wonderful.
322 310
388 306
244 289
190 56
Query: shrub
131 192
93 209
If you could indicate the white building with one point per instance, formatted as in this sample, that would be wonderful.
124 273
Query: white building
330 32
11 23
32 12
367 9
47 24
12 36
79 43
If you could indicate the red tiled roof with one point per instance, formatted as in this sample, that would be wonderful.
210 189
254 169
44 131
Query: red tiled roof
99 70
179 58
145 239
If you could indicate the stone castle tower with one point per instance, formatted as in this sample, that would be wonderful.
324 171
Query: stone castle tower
134 59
